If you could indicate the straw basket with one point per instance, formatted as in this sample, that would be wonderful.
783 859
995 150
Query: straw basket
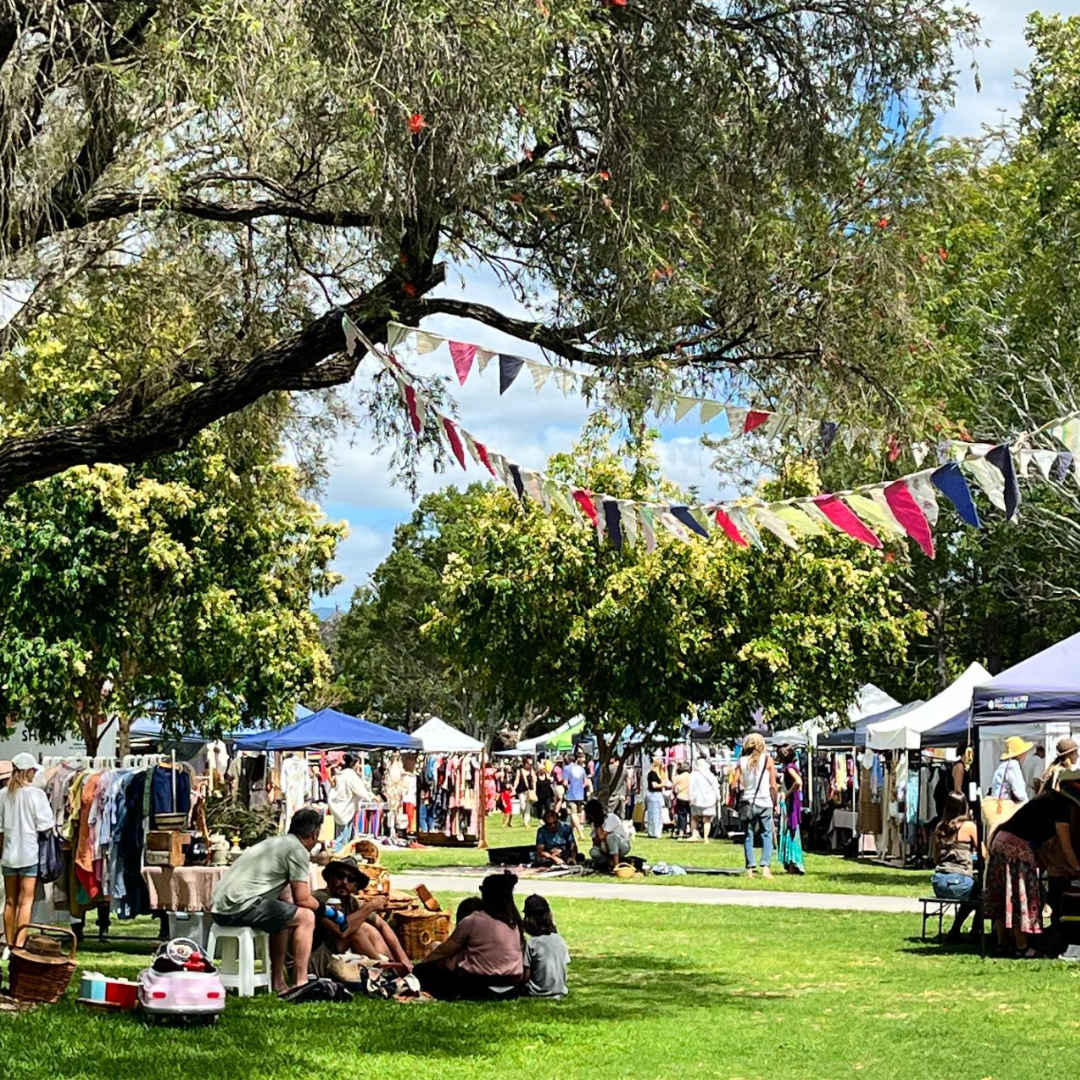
625 870
421 931
40 970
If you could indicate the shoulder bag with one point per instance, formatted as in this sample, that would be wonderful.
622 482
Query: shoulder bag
746 806
50 859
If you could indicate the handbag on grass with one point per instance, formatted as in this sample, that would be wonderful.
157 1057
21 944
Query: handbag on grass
746 806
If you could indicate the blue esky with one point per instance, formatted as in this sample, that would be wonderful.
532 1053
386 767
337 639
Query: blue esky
529 427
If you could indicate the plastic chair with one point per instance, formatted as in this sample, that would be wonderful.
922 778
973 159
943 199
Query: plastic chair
238 947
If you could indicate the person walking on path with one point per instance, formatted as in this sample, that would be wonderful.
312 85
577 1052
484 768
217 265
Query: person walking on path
755 779
525 788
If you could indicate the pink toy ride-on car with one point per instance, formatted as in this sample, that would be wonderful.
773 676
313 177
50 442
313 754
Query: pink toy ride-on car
181 984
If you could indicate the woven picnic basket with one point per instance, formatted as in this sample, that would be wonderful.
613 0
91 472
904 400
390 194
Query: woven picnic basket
40 970
420 931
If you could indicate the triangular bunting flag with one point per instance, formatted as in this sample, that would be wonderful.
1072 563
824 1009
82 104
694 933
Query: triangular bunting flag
919 451
351 338
736 418
462 355
848 437
648 527
989 479
470 445
906 510
1062 462
842 517
557 494
485 457
683 405
768 520
584 499
1001 458
922 491
395 334
1068 434
628 513
874 513
534 485
612 519
509 366
807 429
683 515
540 373
949 480
730 528
710 410
565 380
483 358
754 419
796 520
674 526
741 520
775 426
455 441
427 343
701 516
829 428
415 407
519 482
941 452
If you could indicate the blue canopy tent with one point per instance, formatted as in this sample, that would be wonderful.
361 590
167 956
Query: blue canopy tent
950 733
329 729
151 730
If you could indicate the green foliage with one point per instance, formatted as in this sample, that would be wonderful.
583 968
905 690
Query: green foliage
541 612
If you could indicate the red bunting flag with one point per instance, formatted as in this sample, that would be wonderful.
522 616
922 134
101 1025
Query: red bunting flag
730 529
584 500
462 355
482 452
754 420
845 519
907 511
414 414
455 439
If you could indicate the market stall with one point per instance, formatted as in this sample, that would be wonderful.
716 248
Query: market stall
450 785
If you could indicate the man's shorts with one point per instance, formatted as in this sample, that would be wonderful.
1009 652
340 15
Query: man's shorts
271 916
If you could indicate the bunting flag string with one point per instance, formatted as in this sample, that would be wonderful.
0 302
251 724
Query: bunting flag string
904 507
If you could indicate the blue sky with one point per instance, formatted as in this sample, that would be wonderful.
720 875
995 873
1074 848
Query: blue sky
529 427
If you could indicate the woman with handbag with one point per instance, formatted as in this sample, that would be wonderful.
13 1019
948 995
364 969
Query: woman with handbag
525 788
755 778
24 813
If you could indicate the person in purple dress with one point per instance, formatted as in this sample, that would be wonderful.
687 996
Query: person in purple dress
791 786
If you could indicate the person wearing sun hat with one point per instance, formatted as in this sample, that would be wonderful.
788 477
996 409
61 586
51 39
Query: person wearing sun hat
1008 782
24 812
1065 759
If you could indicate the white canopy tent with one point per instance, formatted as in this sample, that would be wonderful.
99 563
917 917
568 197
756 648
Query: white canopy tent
869 701
528 746
438 737
904 732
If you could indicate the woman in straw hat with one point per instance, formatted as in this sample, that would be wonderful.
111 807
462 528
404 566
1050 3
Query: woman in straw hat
1067 754
1008 782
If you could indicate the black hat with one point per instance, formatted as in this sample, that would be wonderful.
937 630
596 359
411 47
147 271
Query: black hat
349 867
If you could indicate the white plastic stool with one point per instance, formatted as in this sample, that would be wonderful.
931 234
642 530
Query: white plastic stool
238 947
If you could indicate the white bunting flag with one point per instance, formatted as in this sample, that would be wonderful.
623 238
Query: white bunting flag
797 521
483 358
989 479
628 513
683 405
395 335
919 451
874 511
736 418
674 526
1044 461
710 410
427 343
741 520
647 520
565 380
925 494
540 374
768 520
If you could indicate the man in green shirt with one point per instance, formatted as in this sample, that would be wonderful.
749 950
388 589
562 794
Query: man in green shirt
250 894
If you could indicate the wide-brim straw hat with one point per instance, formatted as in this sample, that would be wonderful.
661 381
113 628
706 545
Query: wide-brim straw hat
1065 747
1014 747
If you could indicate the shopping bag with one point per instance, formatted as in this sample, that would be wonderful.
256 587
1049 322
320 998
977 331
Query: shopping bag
994 812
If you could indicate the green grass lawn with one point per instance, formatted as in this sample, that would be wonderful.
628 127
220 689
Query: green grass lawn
675 992
824 873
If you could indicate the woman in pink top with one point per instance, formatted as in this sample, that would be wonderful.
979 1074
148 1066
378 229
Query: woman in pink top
482 959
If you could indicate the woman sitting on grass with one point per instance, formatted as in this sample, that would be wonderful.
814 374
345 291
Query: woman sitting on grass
482 959
546 954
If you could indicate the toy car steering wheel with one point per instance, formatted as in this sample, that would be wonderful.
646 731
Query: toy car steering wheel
181 950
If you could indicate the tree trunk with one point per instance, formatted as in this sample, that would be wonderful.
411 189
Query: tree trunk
123 736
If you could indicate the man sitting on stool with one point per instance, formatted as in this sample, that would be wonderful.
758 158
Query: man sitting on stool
364 932
250 894
555 845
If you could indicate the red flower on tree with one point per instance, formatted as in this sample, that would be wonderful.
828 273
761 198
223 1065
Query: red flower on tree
883 223
409 289
417 123
604 174
942 254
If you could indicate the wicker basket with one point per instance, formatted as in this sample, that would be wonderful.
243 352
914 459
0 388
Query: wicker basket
420 931
39 970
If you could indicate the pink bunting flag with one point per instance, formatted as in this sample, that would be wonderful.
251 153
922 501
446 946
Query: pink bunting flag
414 414
907 511
455 439
482 451
754 419
845 519
584 500
462 355
730 529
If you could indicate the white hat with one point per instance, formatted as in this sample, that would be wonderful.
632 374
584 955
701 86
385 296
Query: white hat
24 761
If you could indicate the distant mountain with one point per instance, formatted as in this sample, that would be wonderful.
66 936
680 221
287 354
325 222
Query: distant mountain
325 613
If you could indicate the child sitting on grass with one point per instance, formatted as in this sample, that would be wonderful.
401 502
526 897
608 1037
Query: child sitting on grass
546 954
